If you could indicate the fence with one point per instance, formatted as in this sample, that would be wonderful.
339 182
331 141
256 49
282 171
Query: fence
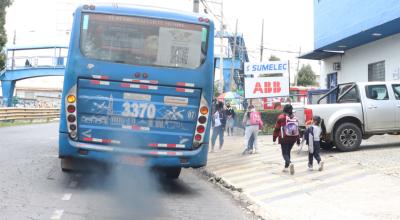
28 114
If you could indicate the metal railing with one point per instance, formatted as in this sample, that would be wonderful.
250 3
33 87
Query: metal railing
31 62
28 114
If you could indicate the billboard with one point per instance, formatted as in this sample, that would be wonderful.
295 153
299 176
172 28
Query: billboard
262 87
269 79
268 68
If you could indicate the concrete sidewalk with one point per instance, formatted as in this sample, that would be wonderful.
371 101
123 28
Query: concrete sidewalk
342 191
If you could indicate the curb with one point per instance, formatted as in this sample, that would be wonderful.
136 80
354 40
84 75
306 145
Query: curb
237 193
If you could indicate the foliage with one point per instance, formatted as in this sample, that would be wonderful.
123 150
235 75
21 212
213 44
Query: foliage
3 35
274 58
268 117
216 93
306 76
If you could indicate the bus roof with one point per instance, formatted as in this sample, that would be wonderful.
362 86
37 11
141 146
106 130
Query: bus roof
145 11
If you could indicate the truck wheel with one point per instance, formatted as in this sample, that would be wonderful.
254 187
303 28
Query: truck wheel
348 137
173 172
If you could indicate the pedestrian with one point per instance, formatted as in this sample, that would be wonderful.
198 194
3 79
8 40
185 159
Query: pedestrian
230 119
312 136
218 123
287 132
252 123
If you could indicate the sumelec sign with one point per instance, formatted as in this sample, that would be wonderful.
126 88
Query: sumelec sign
271 67
261 80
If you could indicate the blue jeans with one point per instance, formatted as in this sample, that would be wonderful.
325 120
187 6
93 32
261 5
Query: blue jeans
315 153
217 131
286 148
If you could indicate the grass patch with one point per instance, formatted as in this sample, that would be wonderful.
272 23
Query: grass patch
19 123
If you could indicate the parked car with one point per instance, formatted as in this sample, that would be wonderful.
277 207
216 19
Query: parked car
355 111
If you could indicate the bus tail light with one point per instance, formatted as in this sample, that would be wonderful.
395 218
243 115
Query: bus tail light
202 119
201 126
198 137
204 110
71 116
71 99
71 108
200 129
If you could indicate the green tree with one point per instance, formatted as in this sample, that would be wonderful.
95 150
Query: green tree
3 36
306 76
274 58
216 93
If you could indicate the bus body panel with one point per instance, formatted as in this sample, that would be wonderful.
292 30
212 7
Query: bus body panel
105 90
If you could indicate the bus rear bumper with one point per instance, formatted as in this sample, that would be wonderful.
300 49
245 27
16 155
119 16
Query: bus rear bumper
141 157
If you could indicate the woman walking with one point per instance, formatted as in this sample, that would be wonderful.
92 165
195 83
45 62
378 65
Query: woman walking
230 119
287 132
252 122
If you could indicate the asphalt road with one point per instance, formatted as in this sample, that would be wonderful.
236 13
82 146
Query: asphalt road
32 186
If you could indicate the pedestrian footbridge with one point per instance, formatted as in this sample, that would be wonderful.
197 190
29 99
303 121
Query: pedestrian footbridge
28 62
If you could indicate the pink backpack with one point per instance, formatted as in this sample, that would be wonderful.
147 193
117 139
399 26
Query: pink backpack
255 119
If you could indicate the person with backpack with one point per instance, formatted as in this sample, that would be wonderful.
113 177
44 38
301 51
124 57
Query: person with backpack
252 122
218 124
287 132
312 138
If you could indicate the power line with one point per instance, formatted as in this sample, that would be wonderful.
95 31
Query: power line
283 51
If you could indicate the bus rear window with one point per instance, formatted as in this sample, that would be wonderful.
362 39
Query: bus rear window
143 41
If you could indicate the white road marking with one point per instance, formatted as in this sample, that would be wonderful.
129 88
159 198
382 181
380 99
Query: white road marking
66 197
57 214
73 184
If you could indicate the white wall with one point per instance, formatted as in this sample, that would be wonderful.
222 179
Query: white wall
354 62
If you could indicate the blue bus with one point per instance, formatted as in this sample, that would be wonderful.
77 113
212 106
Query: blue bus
137 88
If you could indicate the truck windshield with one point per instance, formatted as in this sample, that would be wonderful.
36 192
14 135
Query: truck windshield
143 41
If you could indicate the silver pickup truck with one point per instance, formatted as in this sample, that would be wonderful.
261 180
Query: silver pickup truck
355 111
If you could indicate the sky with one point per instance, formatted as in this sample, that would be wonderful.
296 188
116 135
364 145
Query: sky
288 24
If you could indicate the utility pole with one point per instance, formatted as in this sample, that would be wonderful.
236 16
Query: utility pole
298 66
262 41
196 6
221 56
233 59
12 56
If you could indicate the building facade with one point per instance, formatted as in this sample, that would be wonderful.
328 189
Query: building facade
356 40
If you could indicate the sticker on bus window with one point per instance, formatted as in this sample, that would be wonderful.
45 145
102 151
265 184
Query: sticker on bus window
179 48
85 22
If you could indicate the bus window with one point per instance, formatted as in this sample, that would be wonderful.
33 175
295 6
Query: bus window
143 41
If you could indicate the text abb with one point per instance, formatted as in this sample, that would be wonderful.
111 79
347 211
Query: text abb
268 87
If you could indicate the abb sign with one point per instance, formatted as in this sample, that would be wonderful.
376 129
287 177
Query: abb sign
266 87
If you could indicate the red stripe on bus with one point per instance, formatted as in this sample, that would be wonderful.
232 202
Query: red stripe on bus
125 85
135 127
144 87
180 90
171 153
153 145
87 139
106 141
96 82
171 145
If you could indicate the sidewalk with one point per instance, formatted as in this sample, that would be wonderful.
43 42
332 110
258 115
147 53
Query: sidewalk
341 191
